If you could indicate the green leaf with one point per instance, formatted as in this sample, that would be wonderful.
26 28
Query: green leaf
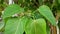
25 21
47 13
36 27
16 25
11 10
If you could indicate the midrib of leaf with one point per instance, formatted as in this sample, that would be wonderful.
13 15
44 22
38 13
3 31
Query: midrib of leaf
35 25
17 27
35 29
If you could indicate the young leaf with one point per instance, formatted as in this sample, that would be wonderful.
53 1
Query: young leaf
11 10
47 13
36 27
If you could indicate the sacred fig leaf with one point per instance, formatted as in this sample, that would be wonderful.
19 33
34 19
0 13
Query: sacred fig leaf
11 10
15 25
37 26
47 13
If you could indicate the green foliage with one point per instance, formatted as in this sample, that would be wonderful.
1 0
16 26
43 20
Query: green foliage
11 10
14 26
59 1
29 19
36 27
46 12
17 25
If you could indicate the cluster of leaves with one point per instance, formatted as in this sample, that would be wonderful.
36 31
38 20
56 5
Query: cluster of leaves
31 16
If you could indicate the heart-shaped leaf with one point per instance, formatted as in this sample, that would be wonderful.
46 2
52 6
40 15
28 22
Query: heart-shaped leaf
47 13
11 10
15 25
36 27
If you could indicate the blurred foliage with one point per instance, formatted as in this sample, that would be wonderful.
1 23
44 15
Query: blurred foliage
3 5
32 5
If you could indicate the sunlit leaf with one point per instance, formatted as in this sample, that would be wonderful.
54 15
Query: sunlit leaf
36 27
